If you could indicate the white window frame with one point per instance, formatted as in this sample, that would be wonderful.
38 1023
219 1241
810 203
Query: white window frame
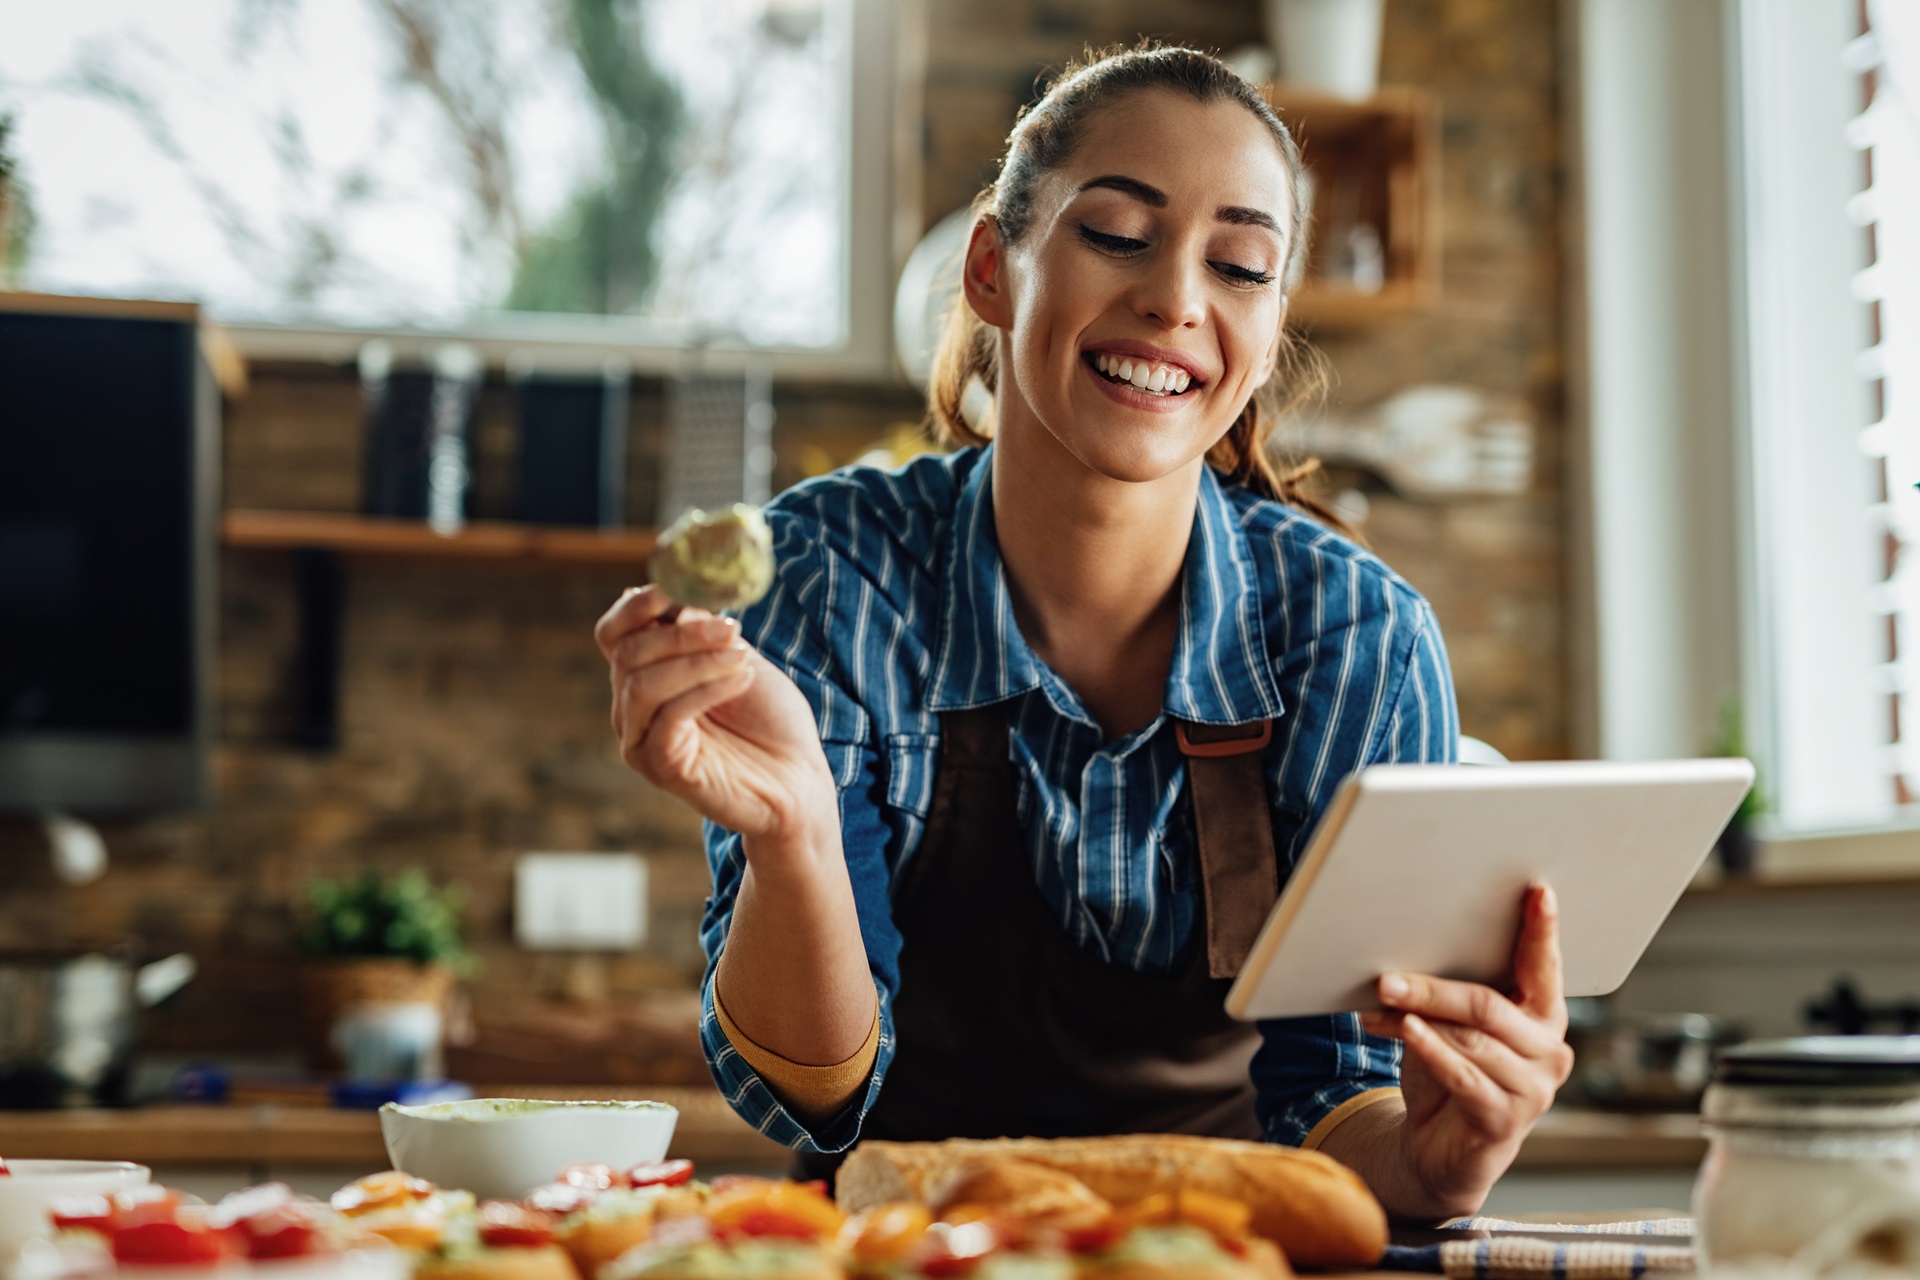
882 207
1719 528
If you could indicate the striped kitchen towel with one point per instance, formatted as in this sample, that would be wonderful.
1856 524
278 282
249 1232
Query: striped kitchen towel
1497 1249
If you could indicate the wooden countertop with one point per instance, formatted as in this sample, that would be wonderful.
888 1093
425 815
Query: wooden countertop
708 1132
274 1134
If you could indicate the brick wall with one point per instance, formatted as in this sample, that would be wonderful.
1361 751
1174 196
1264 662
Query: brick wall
473 702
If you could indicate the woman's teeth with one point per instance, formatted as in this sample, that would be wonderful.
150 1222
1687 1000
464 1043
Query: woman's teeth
1155 379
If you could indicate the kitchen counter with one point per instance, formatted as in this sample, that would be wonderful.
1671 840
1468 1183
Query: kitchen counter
709 1133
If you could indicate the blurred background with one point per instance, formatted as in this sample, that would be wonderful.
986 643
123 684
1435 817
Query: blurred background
352 351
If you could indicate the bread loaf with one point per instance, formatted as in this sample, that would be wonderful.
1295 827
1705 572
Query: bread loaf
1316 1209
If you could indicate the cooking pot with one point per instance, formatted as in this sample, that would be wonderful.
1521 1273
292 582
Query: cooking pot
67 1022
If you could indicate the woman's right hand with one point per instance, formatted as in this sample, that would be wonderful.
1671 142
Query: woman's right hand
701 714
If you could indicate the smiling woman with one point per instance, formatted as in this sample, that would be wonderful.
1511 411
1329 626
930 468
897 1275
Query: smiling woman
1004 773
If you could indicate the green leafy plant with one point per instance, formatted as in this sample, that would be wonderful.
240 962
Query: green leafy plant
1731 740
399 917
7 163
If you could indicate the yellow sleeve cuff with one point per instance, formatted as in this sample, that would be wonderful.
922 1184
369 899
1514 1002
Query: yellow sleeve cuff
1346 1111
813 1093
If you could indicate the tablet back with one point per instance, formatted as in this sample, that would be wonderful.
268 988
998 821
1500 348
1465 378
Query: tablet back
1421 869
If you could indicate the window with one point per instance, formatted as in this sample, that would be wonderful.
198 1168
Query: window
619 172
1887 133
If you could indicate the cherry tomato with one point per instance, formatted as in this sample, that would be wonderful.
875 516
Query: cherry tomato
283 1231
559 1198
593 1176
170 1243
245 1203
81 1213
506 1225
670 1173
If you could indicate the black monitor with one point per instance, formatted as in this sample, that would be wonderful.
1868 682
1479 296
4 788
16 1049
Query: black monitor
109 426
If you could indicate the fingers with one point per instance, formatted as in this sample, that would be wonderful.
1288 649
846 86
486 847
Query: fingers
1460 1075
637 607
646 691
1538 977
691 633
1469 1004
1500 1063
663 735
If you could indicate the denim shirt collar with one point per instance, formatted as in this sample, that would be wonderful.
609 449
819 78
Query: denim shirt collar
1220 672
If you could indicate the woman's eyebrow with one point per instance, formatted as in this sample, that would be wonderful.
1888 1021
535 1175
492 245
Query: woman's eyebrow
1239 215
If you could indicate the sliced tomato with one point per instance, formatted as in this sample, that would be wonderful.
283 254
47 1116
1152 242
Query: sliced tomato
4 1171
885 1233
668 1173
1100 1237
138 1205
81 1213
170 1243
775 1209
948 1250
284 1231
727 1182
593 1176
245 1203
559 1198
380 1191
506 1225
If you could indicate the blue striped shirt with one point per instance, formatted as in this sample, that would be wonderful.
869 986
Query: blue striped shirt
890 607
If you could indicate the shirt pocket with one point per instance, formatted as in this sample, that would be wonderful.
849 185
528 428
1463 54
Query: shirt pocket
911 759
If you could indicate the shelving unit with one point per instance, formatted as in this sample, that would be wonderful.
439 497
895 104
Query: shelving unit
478 540
1374 163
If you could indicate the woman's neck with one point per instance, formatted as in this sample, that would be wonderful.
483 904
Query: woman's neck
1093 566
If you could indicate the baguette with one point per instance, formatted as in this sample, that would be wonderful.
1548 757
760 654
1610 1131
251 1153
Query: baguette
1317 1210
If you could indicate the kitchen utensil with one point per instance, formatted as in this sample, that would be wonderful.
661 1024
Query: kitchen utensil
502 1148
32 1184
67 1022
1647 1062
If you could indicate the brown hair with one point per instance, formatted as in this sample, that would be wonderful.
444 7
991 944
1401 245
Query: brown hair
1043 138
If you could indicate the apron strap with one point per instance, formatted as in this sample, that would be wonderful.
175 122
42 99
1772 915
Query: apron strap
1239 864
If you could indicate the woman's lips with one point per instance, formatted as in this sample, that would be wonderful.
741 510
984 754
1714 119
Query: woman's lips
1133 397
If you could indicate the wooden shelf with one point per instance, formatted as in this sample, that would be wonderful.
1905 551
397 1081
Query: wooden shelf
1374 163
477 540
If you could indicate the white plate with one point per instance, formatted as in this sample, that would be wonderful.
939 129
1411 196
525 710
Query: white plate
33 1184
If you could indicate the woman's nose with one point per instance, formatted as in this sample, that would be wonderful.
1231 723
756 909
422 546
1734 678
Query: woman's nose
1171 294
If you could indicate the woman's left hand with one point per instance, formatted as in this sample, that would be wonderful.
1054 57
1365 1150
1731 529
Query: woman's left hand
1480 1067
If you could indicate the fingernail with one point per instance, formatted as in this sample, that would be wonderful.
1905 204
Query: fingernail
1549 901
1394 987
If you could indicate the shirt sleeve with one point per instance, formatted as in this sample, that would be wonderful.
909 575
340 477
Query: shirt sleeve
784 630
1306 1069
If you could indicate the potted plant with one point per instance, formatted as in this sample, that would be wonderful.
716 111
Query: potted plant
8 168
381 954
1735 850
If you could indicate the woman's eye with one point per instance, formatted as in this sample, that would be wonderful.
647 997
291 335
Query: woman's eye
1246 275
1112 244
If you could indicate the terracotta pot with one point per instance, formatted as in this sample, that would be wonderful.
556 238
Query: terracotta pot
328 988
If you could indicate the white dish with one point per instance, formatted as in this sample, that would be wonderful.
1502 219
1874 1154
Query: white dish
32 1184
502 1148
1421 868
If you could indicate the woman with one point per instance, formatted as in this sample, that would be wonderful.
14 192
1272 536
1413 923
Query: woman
1002 776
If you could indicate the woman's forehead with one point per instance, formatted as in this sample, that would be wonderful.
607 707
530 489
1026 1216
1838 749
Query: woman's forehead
1201 155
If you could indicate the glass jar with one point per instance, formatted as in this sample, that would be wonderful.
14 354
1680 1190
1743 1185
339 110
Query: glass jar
1803 1134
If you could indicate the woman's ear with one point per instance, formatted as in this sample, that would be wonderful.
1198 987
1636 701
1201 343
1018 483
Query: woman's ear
982 277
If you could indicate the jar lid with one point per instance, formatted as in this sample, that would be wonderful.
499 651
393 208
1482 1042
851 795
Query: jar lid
1816 1061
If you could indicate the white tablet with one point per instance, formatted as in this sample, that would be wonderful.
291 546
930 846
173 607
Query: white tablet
1421 869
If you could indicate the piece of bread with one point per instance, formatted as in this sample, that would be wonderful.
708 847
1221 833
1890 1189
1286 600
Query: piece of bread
1317 1210
545 1262
593 1242
1020 1190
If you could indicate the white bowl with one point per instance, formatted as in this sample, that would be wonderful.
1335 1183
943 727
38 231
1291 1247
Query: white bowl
502 1148
32 1184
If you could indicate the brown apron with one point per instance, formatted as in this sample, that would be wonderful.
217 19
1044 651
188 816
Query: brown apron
1004 1026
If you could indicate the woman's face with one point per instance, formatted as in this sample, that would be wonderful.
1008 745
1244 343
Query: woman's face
1143 305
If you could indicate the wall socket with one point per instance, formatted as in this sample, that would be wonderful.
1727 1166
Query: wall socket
580 901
